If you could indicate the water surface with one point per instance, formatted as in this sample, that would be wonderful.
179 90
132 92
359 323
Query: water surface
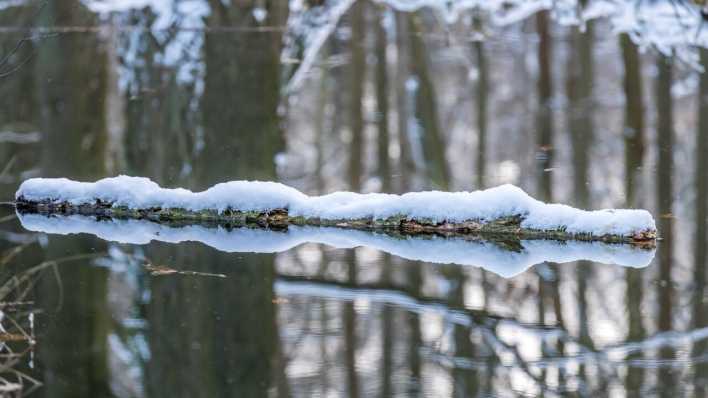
365 97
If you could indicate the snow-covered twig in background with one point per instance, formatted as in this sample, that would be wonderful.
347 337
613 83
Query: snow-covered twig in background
672 27
20 138
310 29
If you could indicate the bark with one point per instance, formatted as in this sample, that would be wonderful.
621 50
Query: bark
501 229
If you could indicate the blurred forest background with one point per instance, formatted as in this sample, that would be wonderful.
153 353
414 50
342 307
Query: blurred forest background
591 103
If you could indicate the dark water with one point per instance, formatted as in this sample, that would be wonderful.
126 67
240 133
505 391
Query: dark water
393 101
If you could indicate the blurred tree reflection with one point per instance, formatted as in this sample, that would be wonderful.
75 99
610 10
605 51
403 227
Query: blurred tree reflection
70 79
426 112
664 195
357 69
699 318
481 102
580 113
241 94
217 337
158 109
388 339
71 89
406 164
633 133
548 274
415 339
227 339
382 93
358 73
466 382
544 112
19 110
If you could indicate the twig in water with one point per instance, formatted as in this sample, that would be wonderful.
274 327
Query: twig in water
16 280
159 270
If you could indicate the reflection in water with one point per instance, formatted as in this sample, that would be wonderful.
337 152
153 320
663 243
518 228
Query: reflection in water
700 254
506 259
544 113
371 96
70 76
665 165
633 133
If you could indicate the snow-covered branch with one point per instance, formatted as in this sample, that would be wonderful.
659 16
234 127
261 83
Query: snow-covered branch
504 211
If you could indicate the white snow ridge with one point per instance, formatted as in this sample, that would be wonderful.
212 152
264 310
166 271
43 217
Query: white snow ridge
502 201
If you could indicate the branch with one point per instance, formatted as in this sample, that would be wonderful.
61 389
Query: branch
504 214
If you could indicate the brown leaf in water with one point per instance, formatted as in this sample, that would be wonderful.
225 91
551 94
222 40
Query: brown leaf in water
157 270
13 337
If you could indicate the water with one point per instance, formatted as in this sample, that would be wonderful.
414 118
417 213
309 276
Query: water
573 116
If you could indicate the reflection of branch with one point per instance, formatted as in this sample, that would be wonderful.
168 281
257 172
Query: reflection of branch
570 361
159 270
505 260
400 297
386 294
20 64
17 280
403 298
9 357
659 340
20 138
9 254
4 61
12 52
488 324
614 355
315 41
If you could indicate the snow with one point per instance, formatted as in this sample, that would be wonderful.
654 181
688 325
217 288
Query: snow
182 47
166 11
314 28
20 138
501 201
673 28
4 4
431 249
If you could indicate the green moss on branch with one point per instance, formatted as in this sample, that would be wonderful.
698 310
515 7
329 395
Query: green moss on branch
505 229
